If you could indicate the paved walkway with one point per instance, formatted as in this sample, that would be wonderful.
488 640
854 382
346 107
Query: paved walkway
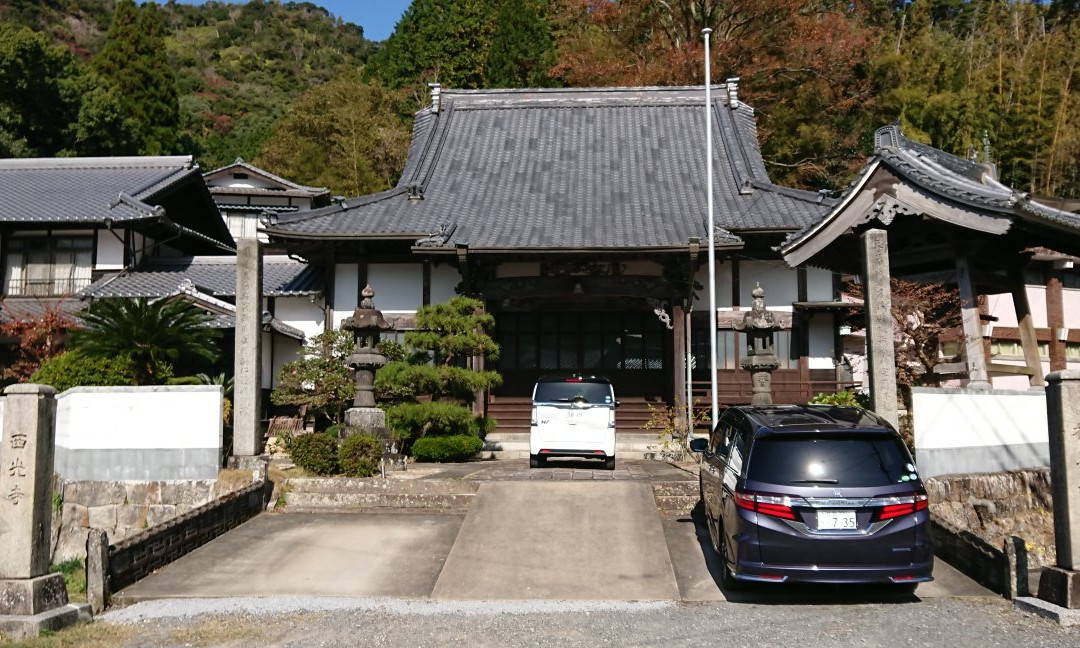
568 531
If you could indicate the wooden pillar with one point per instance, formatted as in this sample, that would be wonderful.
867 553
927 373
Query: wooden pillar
1028 338
978 378
1055 318
678 347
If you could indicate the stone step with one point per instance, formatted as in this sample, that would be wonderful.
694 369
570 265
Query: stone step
676 497
317 494
628 445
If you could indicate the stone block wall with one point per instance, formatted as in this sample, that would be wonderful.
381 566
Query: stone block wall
124 508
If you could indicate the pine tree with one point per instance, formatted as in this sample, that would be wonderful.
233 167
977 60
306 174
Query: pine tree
133 60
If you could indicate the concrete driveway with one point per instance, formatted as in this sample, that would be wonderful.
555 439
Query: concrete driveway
521 539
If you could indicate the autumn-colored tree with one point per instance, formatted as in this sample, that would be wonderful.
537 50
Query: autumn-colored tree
347 134
924 316
34 337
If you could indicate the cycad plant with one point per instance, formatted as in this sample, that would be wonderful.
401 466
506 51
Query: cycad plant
151 333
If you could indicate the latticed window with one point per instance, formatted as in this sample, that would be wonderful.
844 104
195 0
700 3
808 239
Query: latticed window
47 265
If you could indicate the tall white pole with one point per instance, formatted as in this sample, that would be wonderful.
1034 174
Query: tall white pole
712 238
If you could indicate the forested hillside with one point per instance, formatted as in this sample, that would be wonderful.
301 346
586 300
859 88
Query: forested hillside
286 86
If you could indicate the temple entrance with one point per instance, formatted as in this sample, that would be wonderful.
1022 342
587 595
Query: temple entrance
631 348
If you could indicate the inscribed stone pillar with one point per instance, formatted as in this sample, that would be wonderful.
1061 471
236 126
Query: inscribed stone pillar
879 324
247 386
1061 585
978 378
31 599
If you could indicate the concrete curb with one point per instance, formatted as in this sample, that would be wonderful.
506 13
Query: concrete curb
1047 610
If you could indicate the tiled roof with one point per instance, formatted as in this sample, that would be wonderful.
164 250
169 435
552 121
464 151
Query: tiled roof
216 276
287 185
949 176
35 308
86 190
569 168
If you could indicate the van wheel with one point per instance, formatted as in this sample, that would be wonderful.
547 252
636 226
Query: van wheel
609 463
536 461
727 578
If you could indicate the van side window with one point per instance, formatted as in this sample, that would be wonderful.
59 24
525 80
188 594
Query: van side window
740 446
718 440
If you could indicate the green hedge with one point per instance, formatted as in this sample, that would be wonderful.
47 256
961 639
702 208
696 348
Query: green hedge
442 449
71 369
359 455
315 453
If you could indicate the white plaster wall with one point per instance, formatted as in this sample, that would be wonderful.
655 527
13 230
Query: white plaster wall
723 286
110 250
399 287
286 350
173 417
821 349
301 313
949 418
819 285
444 279
1070 302
346 291
780 281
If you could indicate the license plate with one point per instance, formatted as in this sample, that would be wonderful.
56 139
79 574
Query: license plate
836 520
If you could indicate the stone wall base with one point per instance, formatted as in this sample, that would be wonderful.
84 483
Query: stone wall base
1060 587
30 605
26 627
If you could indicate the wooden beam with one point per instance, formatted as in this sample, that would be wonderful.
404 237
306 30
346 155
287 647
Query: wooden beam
1027 327
1012 370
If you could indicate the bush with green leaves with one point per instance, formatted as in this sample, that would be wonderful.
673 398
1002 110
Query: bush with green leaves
440 449
72 369
320 378
842 398
410 421
316 453
359 455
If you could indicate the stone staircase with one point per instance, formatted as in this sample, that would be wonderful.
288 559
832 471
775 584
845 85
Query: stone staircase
315 494
510 440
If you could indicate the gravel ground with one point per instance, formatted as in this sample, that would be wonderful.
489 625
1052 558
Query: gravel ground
296 621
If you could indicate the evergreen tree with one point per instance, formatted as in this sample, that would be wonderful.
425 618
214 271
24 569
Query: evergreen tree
522 46
134 61
438 40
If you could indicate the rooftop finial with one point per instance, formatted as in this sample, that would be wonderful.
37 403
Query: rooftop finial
436 90
733 92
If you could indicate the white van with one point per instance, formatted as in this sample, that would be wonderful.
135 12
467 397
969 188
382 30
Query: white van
573 416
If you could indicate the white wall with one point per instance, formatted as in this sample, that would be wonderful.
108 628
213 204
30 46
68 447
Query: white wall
780 281
821 351
142 433
444 280
723 286
399 287
819 285
110 250
345 292
957 431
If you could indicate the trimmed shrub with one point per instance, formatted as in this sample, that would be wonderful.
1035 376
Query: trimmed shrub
842 398
410 421
315 453
441 449
359 455
72 369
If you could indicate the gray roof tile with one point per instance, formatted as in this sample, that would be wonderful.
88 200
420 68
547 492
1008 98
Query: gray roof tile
570 168
215 276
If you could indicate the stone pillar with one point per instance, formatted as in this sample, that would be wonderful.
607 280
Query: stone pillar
31 599
1061 584
978 377
247 386
880 352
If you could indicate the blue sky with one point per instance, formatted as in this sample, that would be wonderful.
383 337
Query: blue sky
377 17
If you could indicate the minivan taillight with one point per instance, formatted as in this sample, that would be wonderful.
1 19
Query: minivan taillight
903 505
774 505
533 416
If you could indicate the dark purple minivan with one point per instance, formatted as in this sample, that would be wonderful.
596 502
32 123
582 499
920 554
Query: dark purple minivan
813 494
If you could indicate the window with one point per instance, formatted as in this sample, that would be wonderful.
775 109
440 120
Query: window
47 265
1014 349
857 460
598 342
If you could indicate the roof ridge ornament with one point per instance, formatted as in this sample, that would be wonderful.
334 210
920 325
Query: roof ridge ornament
733 92
436 94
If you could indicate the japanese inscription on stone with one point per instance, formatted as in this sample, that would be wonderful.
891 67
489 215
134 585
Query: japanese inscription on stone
16 468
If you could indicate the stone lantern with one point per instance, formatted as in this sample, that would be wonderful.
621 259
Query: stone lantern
759 325
367 324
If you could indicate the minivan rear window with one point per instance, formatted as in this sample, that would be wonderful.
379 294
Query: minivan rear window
843 460
568 392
